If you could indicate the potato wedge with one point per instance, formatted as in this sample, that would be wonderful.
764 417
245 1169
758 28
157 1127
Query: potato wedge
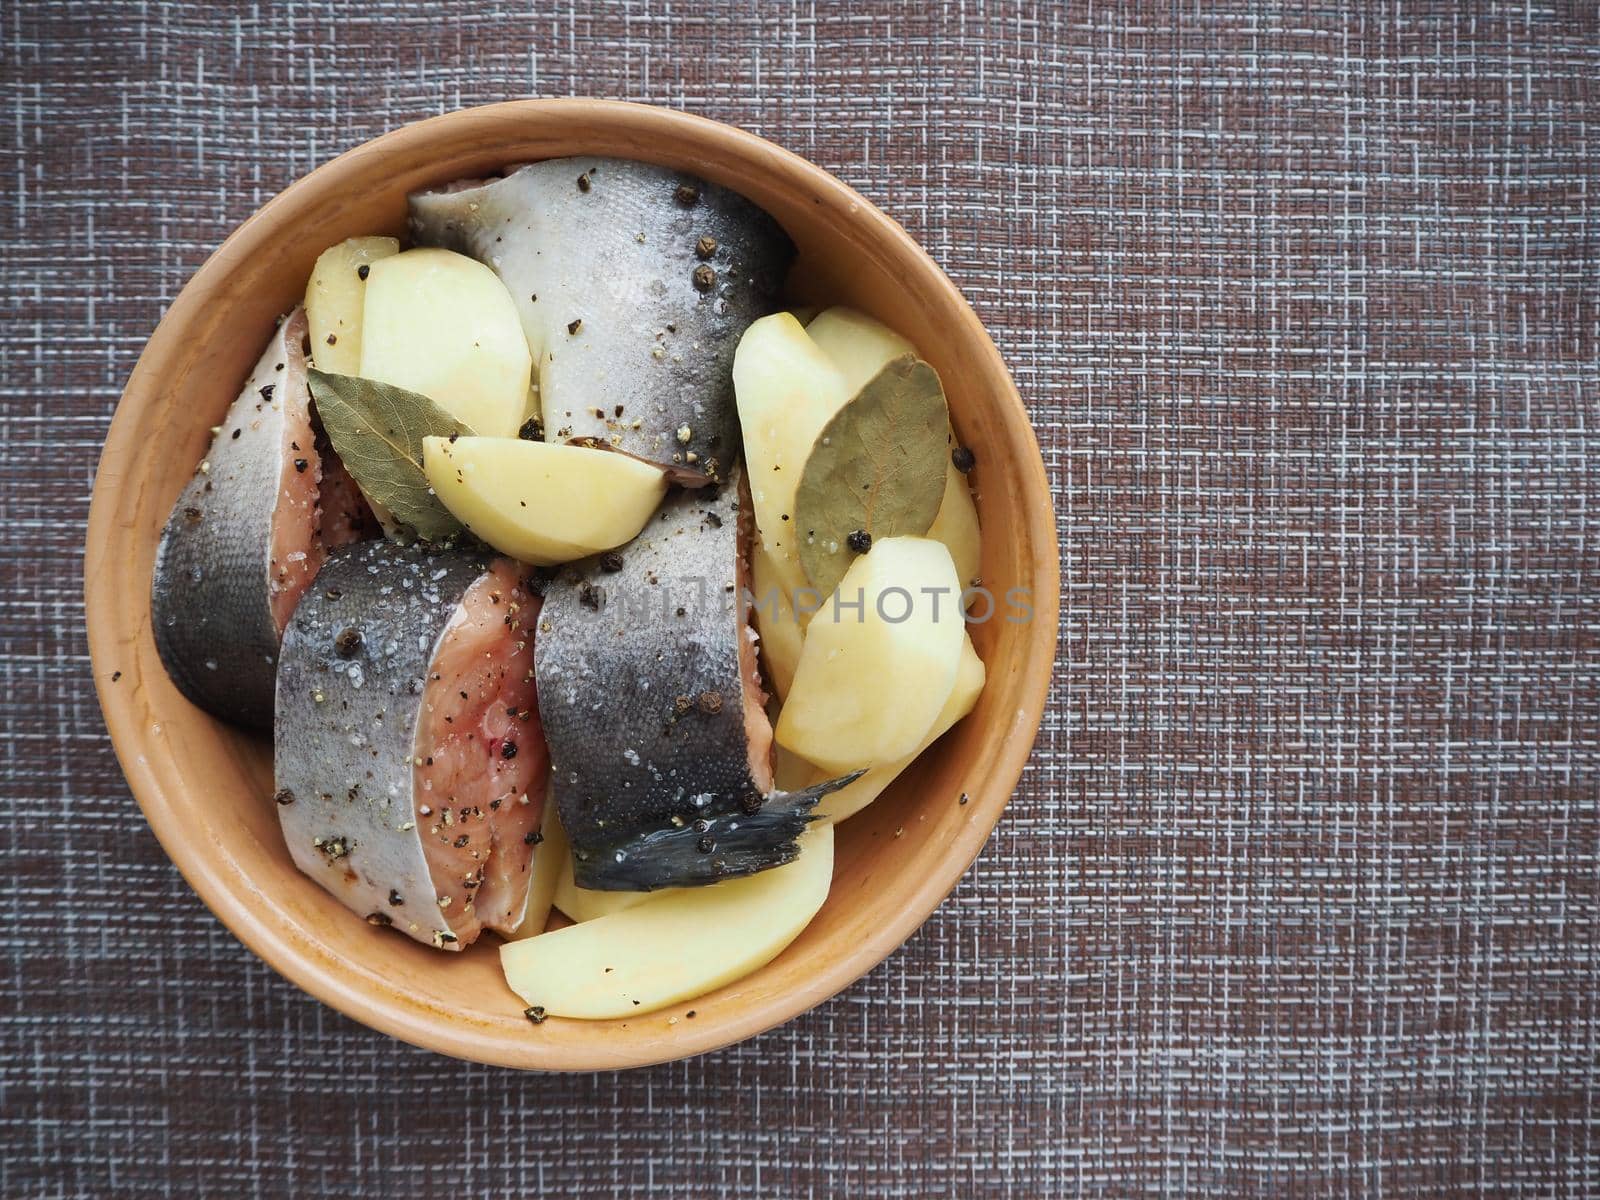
539 502
672 947
853 797
871 680
956 525
780 630
858 346
550 856
583 904
786 390
443 324
335 296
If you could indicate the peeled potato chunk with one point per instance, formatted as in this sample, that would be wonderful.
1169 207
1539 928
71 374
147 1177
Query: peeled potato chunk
853 797
786 389
871 679
858 346
956 525
443 324
780 630
539 502
583 904
550 856
335 296
675 945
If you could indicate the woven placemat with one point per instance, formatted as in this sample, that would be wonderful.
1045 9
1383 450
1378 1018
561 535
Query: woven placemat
1300 893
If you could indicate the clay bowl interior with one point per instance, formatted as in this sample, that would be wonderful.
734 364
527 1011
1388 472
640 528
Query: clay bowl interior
205 787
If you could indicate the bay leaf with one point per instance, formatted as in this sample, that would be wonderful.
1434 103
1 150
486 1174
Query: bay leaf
377 430
878 467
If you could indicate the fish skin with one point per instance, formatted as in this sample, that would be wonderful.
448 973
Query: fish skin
210 600
625 660
579 252
316 758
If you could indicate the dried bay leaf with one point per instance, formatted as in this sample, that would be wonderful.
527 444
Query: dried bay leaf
377 430
877 467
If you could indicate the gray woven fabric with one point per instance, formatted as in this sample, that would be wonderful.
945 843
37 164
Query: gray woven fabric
1300 893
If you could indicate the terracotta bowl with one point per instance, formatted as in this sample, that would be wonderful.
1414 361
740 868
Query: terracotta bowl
205 787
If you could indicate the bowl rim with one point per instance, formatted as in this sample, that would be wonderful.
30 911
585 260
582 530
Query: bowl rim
275 941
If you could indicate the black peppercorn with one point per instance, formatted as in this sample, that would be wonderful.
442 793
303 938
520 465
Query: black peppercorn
859 541
687 195
963 459
704 278
348 642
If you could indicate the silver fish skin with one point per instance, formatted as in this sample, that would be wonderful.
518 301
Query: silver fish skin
643 698
210 600
347 717
632 319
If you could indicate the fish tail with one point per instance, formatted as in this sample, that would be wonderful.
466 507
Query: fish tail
706 851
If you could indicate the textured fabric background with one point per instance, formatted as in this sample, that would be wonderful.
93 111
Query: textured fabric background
1301 892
